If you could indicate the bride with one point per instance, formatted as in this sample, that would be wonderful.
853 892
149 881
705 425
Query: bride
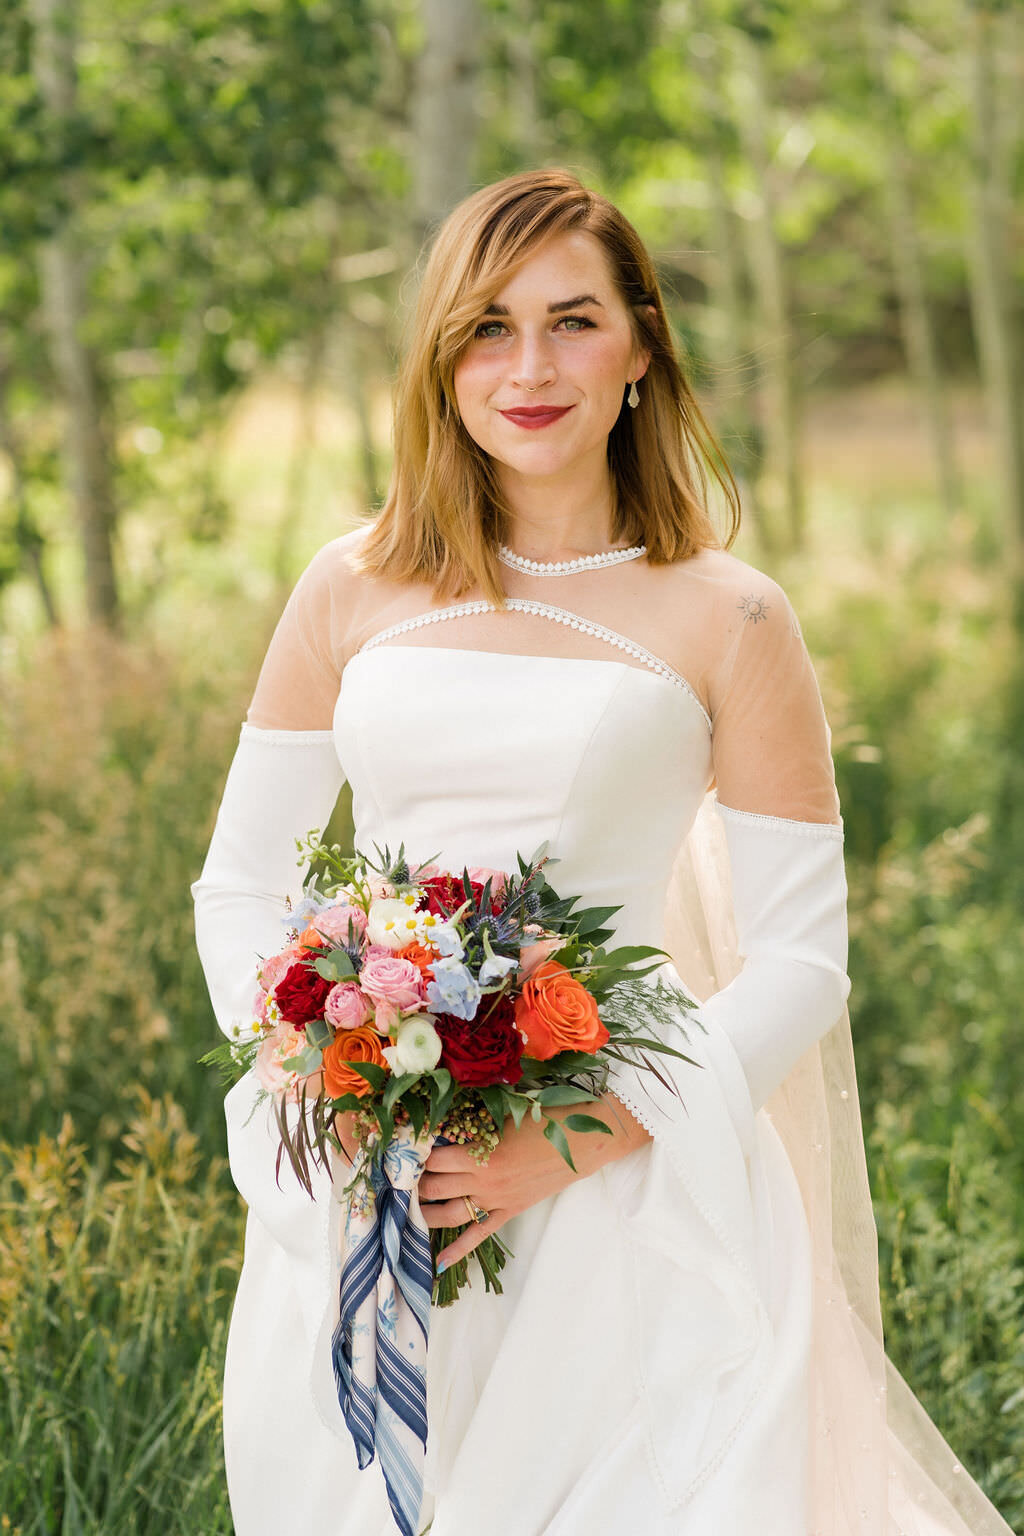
541 637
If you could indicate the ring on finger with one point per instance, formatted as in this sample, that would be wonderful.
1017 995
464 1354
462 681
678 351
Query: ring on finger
476 1212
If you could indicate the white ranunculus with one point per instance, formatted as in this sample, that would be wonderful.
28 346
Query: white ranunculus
392 921
417 1046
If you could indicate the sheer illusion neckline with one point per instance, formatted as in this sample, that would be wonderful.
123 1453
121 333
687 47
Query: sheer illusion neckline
655 664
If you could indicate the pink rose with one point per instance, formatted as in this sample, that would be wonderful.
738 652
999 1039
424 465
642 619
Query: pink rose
272 970
389 980
346 1007
272 1058
376 952
334 922
532 955
481 873
259 1006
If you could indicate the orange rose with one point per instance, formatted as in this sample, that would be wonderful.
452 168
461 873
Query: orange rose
555 1012
361 1044
310 939
422 957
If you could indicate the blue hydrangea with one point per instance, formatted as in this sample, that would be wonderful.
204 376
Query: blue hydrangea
304 911
446 940
454 989
496 968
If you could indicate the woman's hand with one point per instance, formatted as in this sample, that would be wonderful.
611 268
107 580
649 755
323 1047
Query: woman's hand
523 1169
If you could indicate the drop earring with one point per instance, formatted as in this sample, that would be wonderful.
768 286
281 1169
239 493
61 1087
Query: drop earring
633 399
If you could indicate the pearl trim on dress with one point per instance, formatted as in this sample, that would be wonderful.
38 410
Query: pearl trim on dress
544 611
568 567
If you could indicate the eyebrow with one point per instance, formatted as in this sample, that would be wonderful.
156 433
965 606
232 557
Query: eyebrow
557 308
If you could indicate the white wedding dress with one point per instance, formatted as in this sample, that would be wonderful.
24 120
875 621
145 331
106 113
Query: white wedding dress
652 1365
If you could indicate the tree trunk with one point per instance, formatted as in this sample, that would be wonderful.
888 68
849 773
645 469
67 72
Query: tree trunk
27 537
445 123
727 344
995 321
524 99
915 318
87 465
780 405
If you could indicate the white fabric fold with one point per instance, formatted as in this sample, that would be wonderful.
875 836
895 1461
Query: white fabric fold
789 897
280 786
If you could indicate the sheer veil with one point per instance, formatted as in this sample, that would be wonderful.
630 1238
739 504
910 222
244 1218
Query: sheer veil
878 1462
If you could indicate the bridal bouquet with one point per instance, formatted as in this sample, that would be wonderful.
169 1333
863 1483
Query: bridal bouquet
442 1007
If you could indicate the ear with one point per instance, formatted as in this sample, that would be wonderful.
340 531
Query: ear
641 357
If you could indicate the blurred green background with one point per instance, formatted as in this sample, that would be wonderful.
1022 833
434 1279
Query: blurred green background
209 223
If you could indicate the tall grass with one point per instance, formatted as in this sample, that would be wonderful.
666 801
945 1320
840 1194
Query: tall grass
116 1278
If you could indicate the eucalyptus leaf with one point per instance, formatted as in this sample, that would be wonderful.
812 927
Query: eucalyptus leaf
318 1032
335 966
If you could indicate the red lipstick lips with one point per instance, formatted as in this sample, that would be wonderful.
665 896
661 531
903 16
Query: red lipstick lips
533 416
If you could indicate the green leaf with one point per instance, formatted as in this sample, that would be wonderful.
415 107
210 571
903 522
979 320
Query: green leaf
387 1125
554 1133
446 1086
564 1093
376 1076
318 1032
494 1099
335 966
629 953
308 1060
518 1104
587 1123
397 1087
417 1115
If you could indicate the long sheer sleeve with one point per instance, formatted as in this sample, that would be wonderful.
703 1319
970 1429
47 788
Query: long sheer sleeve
777 797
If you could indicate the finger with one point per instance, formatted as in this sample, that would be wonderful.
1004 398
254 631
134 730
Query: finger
450 1160
471 1238
441 1186
446 1213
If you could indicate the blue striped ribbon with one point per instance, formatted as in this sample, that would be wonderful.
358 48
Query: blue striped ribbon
379 1348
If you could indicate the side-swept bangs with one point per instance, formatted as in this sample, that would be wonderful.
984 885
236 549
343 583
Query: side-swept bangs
445 514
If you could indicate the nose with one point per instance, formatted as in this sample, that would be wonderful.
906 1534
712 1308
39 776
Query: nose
532 363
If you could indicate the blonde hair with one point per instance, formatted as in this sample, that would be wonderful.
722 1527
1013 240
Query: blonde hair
445 514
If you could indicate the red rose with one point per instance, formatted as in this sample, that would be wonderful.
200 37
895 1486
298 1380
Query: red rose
484 1050
445 893
301 993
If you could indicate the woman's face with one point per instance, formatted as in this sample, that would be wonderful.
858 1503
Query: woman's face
542 381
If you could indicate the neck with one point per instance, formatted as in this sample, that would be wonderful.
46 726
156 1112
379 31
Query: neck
560 516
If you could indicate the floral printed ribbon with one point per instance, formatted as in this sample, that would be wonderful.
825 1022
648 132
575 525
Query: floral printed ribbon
379 1346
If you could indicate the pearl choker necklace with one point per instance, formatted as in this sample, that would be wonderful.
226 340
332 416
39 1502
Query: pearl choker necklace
568 567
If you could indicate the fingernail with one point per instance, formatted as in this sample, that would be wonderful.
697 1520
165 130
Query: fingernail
442 1266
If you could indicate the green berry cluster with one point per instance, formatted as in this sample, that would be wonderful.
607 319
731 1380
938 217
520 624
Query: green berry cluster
470 1125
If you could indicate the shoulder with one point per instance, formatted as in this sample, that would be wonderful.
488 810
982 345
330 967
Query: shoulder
730 594
336 562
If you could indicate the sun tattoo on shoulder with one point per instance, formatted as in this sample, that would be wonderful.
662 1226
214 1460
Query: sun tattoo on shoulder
753 609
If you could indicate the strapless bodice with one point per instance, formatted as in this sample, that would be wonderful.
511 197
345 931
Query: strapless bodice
472 756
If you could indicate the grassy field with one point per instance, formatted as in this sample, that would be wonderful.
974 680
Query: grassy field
119 1228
